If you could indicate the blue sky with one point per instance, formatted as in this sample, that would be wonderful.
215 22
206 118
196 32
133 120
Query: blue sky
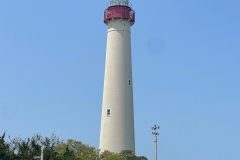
185 66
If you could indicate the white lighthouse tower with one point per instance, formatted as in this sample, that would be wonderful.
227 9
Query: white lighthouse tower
117 126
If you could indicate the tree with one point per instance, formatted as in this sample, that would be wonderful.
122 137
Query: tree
141 158
124 155
69 155
55 149
106 155
26 149
80 151
128 155
5 152
49 147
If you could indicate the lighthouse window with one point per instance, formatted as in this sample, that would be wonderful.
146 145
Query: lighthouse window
129 82
108 112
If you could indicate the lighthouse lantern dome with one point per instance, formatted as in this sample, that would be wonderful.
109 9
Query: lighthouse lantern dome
119 3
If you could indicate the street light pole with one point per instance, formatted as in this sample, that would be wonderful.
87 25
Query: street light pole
155 133
42 149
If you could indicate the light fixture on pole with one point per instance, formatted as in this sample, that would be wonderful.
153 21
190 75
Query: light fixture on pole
155 133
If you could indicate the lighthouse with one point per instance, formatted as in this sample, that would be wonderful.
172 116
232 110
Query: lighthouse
117 123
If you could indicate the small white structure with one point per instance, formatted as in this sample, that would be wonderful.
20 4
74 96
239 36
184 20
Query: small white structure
42 150
117 125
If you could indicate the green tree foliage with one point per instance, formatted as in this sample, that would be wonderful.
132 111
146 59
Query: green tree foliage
80 151
124 155
109 156
55 149
49 144
5 152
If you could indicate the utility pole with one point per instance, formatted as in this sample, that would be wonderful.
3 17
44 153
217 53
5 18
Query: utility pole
42 149
155 133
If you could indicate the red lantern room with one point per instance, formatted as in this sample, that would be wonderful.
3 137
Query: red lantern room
119 9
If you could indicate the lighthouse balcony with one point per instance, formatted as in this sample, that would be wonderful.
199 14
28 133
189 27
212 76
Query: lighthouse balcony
119 12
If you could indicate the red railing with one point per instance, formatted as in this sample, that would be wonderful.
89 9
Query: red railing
119 12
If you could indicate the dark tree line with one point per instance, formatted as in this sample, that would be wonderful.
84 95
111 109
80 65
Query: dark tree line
55 149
